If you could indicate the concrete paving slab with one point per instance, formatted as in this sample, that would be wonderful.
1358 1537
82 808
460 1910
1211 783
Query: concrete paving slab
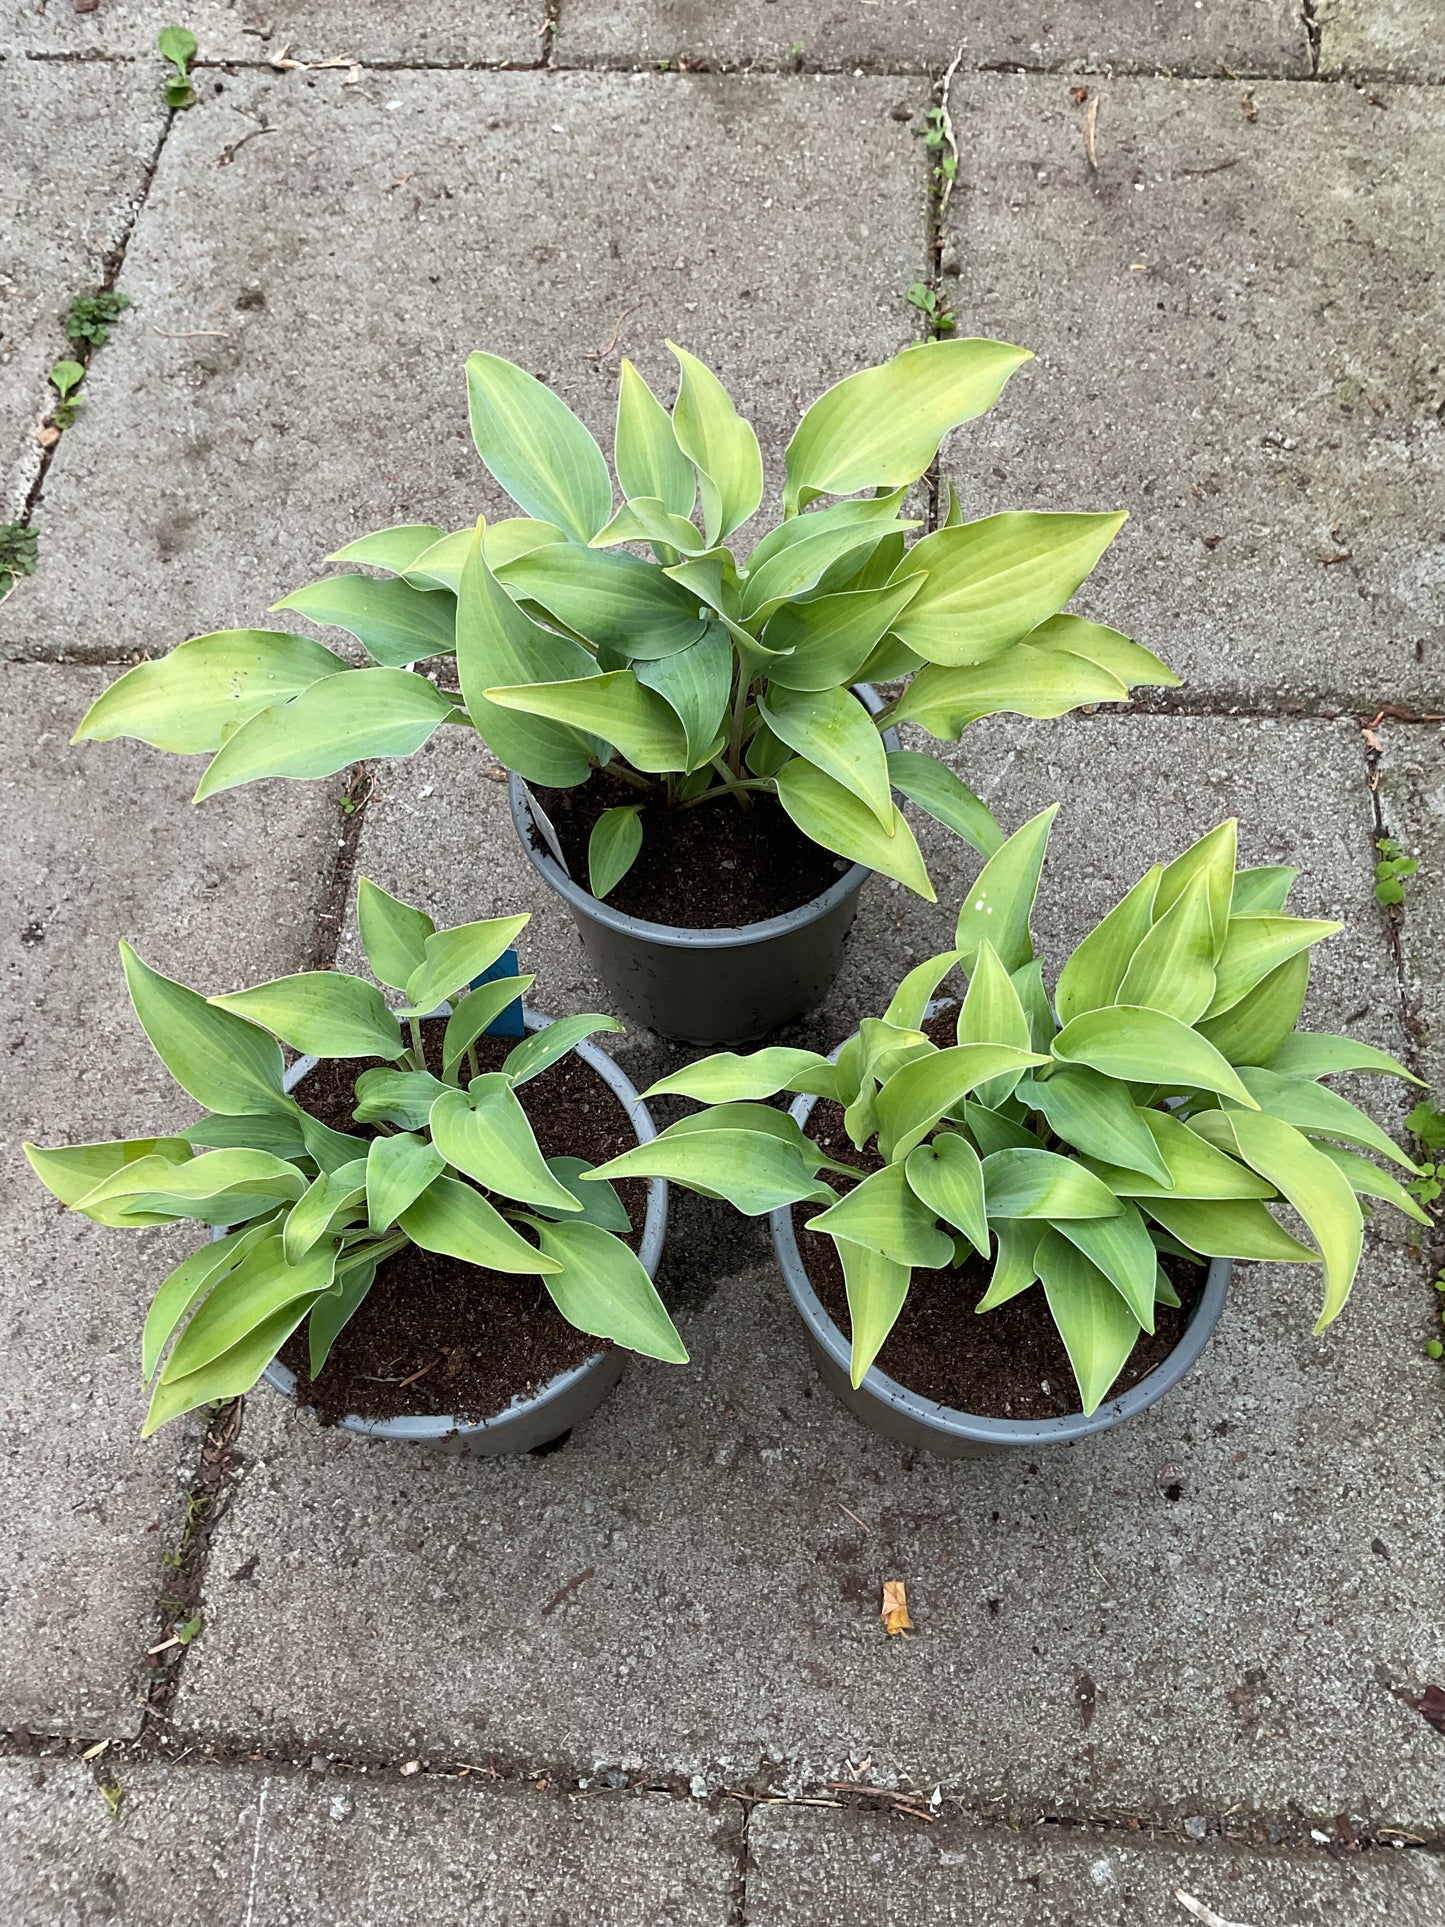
353 257
75 147
100 842
1412 802
241 1848
844 1870
1256 37
1235 319
481 32
1387 39
1246 1640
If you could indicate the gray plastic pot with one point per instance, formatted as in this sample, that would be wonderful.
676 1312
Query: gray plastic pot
570 1397
893 1410
722 986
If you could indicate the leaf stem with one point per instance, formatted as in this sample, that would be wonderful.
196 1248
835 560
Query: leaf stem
731 787
620 769
417 1053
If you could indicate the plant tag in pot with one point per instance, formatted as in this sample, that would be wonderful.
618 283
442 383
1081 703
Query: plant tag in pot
508 1022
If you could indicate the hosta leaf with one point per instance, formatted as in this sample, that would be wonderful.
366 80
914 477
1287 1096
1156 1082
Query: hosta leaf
1319 1191
1097 1116
1098 1328
886 1214
888 1047
1147 1047
754 1170
393 935
393 549
403 1098
1195 1168
1255 946
1091 978
1023 681
719 444
334 1309
830 637
232 1372
536 448
396 624
831 729
484 1132
1213 858
766 1118
793 558
224 1063
217 1187
916 1097
1312 1108
601 1287
599 1203
1229 1228
910 1001
1014 1269
454 1219
1028 981
398 1170
185 1287
876 1288
695 685
321 1012
996 1130
1105 648
339 720
515 535
477 1012
277 1133
1312 1054
1173 968
1253 1030
881 427
1040 1184
202 692
331 1150
1262 891
454 958
71 1171
948 1176
1369 1181
325 1205
542 1049
614 705
833 816
498 643
1123 1250
993 1013
261 1285
647 457
988 583
614 601
1001 898
647 519
938 792
613 847
727 1077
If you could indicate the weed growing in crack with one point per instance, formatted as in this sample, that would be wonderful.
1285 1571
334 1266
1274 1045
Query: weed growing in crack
940 316
18 546
1391 871
90 317
178 46
65 377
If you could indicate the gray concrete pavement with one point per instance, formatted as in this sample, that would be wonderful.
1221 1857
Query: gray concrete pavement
75 146
1412 805
1234 317
1389 39
480 32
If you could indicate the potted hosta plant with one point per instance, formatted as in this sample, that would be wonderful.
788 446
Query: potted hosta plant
699 764
408 1190
1115 1146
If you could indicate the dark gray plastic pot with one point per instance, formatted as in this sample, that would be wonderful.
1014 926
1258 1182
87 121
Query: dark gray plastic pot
570 1397
893 1410
723 986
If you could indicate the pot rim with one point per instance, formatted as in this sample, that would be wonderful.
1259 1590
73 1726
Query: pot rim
951 1421
426 1425
682 936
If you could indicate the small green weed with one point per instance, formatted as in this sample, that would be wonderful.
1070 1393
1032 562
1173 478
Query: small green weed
65 378
18 546
178 46
1392 870
186 1633
91 317
936 140
1427 1126
940 316
112 1794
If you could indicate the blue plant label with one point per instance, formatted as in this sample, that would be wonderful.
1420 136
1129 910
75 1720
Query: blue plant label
509 1022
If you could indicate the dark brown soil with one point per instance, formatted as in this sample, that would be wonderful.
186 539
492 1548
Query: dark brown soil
711 867
1010 1363
434 1335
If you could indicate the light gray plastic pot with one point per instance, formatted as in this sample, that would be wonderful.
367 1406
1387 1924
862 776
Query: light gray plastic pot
721 986
570 1397
896 1412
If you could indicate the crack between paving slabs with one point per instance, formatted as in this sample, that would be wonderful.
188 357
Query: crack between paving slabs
1292 1831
